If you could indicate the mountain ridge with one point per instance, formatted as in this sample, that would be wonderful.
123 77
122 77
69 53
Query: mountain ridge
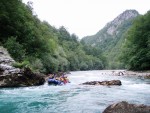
111 36
114 24
121 18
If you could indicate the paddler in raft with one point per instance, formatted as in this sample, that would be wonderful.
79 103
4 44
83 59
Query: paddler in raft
64 79
55 80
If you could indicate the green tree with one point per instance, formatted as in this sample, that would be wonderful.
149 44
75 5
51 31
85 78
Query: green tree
44 47
136 54
15 49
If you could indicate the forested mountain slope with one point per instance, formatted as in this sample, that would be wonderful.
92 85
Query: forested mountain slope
111 37
136 48
40 46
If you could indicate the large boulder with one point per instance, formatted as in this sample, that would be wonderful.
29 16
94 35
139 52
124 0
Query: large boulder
22 79
15 77
107 83
125 107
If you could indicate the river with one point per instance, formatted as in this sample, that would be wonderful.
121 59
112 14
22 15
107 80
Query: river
75 98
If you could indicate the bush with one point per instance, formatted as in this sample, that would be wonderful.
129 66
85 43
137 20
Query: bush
37 65
21 65
15 49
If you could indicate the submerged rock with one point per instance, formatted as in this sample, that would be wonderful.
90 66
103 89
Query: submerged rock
125 107
118 73
107 83
147 76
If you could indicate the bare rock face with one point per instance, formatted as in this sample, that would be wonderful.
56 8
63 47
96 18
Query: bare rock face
15 77
5 57
125 107
106 83
6 62
126 15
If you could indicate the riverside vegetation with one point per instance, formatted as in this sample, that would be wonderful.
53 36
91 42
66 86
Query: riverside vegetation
40 46
122 43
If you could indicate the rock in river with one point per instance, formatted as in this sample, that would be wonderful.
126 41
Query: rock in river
125 107
107 83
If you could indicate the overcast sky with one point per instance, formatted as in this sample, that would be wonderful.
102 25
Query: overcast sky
84 17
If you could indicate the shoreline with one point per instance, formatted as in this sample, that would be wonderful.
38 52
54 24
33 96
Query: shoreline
145 74
138 73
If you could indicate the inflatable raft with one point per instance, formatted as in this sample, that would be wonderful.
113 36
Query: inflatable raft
55 82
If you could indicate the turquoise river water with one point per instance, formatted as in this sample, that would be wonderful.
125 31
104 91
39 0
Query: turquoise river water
75 98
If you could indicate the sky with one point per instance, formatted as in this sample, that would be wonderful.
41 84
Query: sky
84 17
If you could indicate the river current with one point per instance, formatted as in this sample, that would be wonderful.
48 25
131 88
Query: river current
73 97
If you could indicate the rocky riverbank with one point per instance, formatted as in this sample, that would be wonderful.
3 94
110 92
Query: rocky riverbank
15 77
144 74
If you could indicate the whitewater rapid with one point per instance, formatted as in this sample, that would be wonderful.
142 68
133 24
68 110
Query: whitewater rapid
75 98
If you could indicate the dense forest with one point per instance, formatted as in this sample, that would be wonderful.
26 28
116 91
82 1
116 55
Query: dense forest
40 46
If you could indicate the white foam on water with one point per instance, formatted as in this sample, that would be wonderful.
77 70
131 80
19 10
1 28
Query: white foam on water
75 97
